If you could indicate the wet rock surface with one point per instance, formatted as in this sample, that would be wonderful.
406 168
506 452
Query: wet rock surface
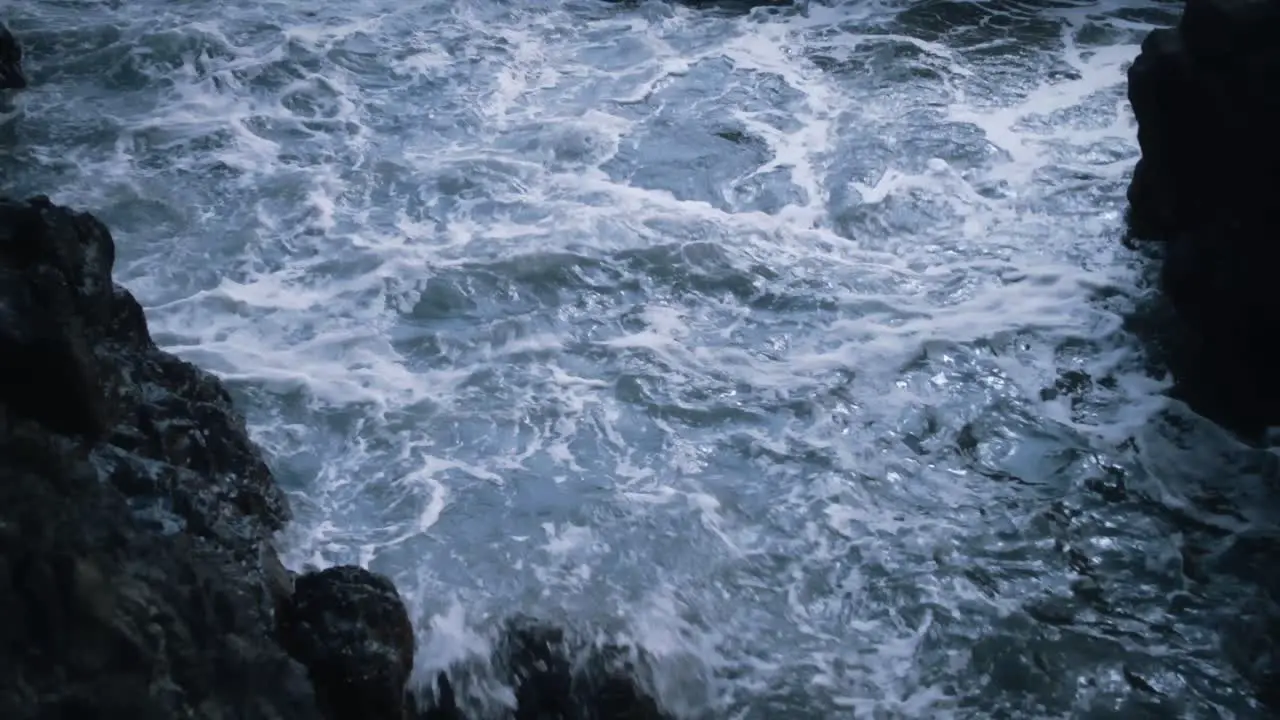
350 628
1206 95
135 513
11 74
554 675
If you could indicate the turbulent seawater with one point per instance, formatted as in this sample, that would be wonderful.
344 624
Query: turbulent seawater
793 346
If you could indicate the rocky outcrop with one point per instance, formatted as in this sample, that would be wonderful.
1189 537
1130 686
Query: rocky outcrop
137 576
11 76
558 676
1207 99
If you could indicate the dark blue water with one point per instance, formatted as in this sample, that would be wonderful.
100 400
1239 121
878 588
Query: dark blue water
791 345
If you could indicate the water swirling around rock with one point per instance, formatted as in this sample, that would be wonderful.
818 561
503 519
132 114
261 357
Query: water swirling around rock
790 345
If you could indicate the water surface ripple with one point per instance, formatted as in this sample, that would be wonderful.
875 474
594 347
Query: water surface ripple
790 345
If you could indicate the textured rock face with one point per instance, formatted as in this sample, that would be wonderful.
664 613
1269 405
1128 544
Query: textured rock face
137 577
11 77
1207 98
555 677
134 511
350 628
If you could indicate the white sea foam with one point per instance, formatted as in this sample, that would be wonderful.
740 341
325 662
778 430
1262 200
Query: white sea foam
666 322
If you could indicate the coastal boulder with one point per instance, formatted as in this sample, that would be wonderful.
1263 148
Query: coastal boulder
558 677
1206 95
349 627
555 674
135 513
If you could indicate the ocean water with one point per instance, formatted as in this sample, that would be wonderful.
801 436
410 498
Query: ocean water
796 347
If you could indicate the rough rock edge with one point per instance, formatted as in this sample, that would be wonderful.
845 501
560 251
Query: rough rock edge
136 571
11 75
1206 95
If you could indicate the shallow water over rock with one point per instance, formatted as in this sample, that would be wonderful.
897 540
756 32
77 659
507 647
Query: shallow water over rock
796 346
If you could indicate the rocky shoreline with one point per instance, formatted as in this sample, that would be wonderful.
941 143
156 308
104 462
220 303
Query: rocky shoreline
138 576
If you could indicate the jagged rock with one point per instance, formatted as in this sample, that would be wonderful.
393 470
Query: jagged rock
1206 95
11 75
350 628
104 618
137 575
1207 99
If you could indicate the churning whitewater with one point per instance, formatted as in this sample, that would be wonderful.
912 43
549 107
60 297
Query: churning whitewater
793 346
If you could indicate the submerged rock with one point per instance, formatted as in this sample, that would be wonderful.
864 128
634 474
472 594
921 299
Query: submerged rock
11 75
555 676
1206 95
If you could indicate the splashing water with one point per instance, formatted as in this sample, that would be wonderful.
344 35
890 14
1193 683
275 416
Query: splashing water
790 345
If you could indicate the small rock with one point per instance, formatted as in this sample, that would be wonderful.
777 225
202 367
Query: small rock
558 677
1052 611
350 629
11 75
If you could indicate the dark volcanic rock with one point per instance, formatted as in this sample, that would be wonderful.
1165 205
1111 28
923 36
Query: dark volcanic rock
350 628
555 677
137 576
135 513
1207 99
11 76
